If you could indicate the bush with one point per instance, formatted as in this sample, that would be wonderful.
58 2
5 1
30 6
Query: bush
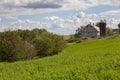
59 43
44 46
48 44
13 48
74 39
109 31
28 35
25 44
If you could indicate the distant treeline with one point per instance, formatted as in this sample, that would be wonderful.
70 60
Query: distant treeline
25 44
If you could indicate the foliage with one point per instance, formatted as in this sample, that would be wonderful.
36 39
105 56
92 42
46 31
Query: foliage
44 45
79 32
95 60
49 44
74 39
109 31
26 44
59 43
77 36
119 27
28 35
13 48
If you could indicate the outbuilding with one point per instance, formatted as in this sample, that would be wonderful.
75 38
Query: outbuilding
91 31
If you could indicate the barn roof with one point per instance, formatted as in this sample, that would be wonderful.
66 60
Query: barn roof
95 27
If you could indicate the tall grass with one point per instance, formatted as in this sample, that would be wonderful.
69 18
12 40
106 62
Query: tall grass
95 60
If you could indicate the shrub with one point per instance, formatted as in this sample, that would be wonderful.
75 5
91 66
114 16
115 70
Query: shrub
74 39
13 48
59 43
44 46
48 44
78 32
109 31
25 44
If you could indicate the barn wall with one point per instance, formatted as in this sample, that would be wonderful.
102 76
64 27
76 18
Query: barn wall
90 32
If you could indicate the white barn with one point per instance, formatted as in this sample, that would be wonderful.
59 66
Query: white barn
90 31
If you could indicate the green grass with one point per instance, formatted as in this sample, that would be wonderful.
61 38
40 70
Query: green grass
94 60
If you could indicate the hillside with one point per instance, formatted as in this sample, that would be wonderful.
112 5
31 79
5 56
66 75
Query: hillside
94 60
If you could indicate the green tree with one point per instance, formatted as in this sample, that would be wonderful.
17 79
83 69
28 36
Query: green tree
25 44
59 43
44 45
13 48
109 31
119 27
79 32
48 44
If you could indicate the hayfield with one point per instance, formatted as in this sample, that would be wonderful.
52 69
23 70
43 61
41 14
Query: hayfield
94 60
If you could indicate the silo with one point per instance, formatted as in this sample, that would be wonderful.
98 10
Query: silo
102 26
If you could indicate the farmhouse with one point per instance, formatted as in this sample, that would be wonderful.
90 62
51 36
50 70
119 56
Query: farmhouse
94 31
91 31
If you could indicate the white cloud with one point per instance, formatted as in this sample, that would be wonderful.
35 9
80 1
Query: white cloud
81 15
0 20
69 25
25 24
113 12
113 23
54 18
106 2
61 25
29 7
83 18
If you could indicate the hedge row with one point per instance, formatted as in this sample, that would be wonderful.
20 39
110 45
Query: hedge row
25 44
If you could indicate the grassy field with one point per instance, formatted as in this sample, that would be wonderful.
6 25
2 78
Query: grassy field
94 60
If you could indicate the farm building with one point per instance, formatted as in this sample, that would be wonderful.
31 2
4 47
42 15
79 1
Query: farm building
102 25
94 31
90 31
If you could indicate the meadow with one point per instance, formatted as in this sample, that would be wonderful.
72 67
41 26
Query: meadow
93 60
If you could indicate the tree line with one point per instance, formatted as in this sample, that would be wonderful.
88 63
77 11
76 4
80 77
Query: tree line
25 44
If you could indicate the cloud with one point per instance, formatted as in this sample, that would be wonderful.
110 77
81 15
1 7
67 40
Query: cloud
113 23
25 24
0 20
29 7
53 18
70 24
106 2
113 12
37 5
62 25
82 18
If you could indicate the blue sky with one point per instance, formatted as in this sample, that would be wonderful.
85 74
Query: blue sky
57 16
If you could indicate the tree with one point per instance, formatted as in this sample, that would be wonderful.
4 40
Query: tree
48 44
79 32
13 48
59 43
28 35
119 27
43 45
109 31
26 44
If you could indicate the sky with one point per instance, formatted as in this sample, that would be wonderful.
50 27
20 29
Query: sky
57 16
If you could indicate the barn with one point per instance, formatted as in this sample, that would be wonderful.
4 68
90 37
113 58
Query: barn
90 31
